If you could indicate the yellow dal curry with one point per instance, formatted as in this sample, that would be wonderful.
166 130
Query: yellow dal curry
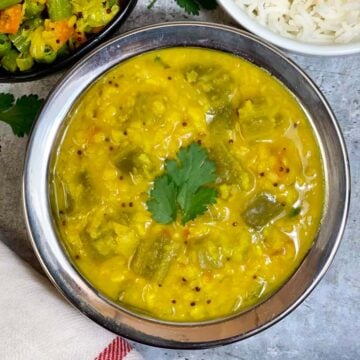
269 184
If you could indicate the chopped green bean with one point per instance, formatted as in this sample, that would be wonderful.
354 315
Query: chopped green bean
32 24
49 55
7 3
5 44
24 62
33 8
21 41
59 9
8 61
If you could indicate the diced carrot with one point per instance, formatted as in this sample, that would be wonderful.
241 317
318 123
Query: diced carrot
10 19
57 33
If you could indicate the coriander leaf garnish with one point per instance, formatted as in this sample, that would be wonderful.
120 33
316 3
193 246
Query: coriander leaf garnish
192 7
21 114
183 186
162 203
197 203
6 101
208 4
192 171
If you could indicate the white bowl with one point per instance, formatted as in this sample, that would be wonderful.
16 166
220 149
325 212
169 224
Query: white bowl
297 46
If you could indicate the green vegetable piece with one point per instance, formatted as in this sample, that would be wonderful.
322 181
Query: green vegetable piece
48 56
262 210
182 186
39 49
84 179
213 81
5 44
127 162
7 3
210 255
21 41
32 24
162 203
153 258
24 62
20 115
59 9
33 8
230 170
105 245
295 211
8 61
224 118
259 117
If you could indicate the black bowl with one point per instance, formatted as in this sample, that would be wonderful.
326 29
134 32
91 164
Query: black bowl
40 70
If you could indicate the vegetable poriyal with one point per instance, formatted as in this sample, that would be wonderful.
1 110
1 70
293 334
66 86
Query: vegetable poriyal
187 185
43 30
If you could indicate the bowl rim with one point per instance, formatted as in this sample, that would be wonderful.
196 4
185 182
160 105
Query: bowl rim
67 280
42 70
296 46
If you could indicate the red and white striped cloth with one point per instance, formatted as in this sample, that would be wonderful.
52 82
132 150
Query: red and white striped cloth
116 350
37 323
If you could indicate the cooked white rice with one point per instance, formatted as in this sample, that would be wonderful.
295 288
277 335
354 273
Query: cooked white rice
316 21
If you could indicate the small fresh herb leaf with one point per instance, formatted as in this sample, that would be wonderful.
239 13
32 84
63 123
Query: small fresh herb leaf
193 171
162 203
21 114
197 203
190 6
151 4
6 101
193 168
185 180
208 4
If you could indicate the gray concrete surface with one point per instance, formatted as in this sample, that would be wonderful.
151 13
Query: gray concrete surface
326 325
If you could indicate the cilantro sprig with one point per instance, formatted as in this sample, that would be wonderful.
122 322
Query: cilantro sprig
183 186
192 7
19 114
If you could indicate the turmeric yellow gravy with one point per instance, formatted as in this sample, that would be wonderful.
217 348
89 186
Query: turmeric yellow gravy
270 190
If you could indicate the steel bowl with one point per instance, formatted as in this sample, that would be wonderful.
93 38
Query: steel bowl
45 139
39 71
